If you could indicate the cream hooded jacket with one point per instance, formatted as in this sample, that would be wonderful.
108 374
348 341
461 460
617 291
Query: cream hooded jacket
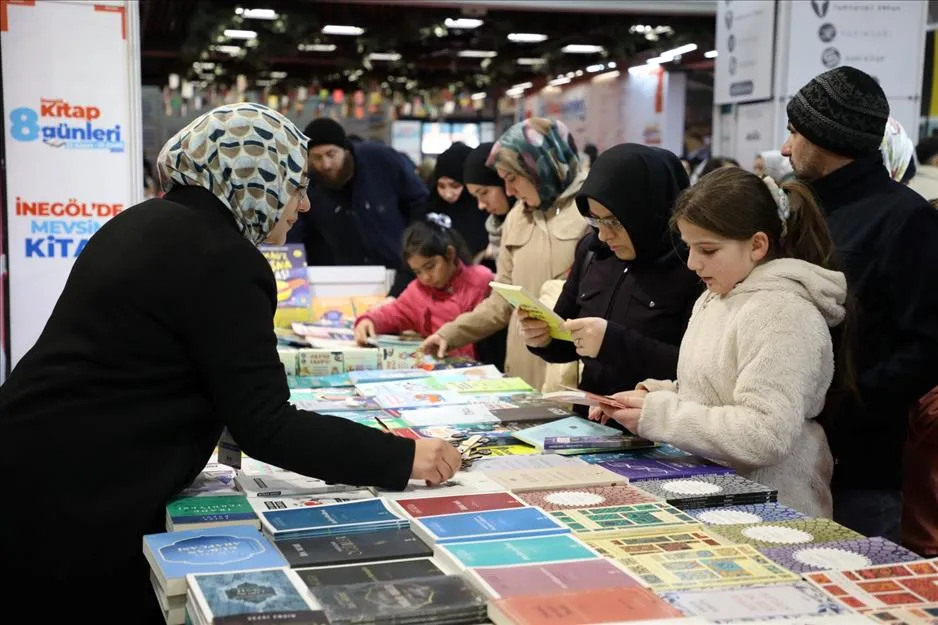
753 371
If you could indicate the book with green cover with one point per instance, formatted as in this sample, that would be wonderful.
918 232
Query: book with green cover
498 385
521 299
787 533
187 513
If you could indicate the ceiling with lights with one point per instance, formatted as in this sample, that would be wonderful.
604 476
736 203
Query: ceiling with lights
281 44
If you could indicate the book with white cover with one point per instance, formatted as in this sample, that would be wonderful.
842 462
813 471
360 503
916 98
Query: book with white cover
462 483
286 484
782 601
571 476
266 504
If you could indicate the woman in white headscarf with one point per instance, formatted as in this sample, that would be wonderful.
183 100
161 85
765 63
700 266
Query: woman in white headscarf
898 152
163 335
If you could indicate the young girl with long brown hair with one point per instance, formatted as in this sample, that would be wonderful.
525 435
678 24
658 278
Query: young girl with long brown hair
757 362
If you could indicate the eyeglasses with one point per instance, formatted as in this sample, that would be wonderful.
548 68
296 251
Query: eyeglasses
609 222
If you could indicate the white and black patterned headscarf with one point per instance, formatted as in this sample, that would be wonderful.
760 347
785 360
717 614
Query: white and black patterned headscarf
250 157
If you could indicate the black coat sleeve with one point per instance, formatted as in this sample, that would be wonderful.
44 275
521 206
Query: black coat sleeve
568 308
623 347
233 346
908 275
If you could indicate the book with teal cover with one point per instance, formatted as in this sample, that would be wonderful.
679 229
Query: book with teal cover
218 509
570 426
558 548
173 555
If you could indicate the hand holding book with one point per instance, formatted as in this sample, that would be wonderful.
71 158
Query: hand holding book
627 415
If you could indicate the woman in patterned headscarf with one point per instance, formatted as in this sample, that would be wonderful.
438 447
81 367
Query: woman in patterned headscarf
540 168
162 337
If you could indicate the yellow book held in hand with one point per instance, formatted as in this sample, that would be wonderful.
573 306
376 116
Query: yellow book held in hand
521 299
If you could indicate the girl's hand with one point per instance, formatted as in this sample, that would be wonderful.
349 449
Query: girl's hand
627 417
363 331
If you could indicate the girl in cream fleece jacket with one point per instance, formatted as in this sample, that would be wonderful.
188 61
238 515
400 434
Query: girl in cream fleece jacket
757 360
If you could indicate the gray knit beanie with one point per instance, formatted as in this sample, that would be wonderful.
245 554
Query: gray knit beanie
843 110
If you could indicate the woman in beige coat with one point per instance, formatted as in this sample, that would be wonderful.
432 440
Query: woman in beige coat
539 236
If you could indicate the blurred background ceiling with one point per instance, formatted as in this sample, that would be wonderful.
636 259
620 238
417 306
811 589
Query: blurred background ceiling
478 46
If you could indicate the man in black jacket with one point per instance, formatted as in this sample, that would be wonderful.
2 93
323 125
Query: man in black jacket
362 195
887 242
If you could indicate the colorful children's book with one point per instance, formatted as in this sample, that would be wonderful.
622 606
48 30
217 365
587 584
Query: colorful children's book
458 504
446 415
496 385
515 551
393 544
174 555
465 374
869 589
787 533
499 582
397 387
752 513
385 375
706 491
835 556
294 298
486 525
419 399
717 567
605 605
273 595
665 540
585 497
521 299
733 605
370 572
641 517
349 517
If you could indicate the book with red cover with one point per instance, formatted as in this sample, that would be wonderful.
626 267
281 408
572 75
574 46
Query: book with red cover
587 606
501 582
457 504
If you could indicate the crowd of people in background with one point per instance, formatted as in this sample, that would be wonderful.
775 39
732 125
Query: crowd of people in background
783 322
813 269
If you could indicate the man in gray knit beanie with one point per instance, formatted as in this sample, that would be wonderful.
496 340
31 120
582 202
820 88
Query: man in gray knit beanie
885 236
840 115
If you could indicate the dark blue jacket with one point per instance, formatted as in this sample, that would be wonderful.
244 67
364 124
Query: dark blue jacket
362 223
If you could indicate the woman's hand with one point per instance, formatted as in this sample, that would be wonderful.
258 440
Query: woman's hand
435 461
588 334
363 331
534 332
435 345
627 417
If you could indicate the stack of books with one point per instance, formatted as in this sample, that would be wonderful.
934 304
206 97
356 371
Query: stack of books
350 517
174 555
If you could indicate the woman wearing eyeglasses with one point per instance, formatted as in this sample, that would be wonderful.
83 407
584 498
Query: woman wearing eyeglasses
629 295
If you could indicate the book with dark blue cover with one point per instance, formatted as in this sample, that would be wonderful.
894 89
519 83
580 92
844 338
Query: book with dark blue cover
345 517
271 596
353 548
487 525
174 555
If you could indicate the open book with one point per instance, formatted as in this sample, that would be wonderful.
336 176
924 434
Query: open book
522 299
571 395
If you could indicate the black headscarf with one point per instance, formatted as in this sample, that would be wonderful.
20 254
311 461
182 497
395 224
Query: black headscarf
475 170
639 185
467 219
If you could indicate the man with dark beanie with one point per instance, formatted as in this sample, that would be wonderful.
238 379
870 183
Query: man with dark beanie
887 243
362 196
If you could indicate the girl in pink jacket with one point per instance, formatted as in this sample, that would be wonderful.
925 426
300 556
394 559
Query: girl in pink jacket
446 285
